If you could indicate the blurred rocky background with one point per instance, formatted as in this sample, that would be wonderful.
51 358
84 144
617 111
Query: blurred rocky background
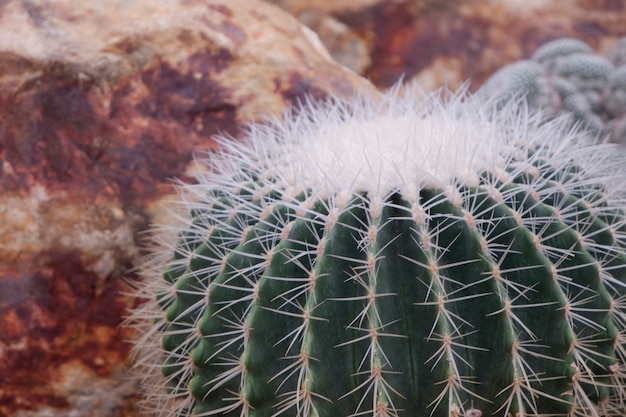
102 103
439 42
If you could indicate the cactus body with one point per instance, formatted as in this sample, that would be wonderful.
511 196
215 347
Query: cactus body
397 256
565 76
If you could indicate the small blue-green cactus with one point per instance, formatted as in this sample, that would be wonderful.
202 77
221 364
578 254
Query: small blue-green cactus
397 255
565 76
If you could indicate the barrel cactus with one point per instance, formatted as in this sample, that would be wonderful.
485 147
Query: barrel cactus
565 76
396 255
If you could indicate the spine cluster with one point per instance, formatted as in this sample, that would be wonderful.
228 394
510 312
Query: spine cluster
493 288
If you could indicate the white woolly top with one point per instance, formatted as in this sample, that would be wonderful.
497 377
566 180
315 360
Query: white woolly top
401 140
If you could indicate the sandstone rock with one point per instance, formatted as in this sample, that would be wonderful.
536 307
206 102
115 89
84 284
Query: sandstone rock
347 45
344 45
450 42
327 6
478 38
101 103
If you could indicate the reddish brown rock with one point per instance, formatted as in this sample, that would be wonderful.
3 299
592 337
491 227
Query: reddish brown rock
344 45
101 103
474 40
450 42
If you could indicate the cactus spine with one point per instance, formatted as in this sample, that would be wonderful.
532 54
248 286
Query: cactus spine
403 255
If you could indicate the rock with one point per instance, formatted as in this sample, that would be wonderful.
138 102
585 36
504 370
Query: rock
101 104
345 46
450 42
478 38
327 6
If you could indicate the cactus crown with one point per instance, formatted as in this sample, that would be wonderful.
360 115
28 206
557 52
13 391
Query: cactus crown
397 255
565 76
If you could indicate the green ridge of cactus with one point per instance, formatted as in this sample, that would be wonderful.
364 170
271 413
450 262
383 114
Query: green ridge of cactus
397 255
566 77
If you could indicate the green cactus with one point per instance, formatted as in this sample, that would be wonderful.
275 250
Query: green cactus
402 255
565 77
